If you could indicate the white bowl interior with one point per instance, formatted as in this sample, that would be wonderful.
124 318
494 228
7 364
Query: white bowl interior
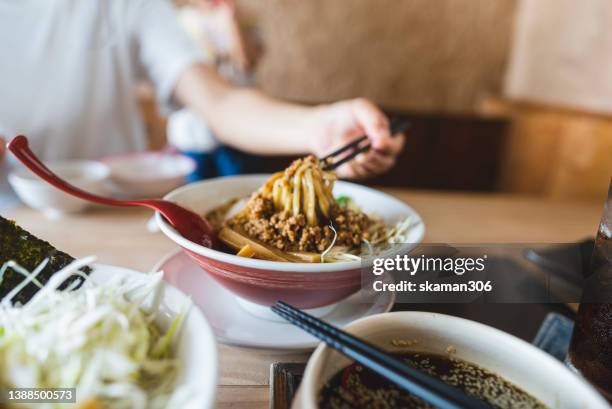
202 197
77 171
38 194
152 166
515 360
195 346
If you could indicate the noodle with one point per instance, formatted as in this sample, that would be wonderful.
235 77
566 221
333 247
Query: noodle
295 217
303 188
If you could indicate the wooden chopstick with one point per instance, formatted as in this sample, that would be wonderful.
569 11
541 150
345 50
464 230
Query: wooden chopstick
397 125
407 377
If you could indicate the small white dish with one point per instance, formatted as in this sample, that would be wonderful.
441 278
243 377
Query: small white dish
232 323
148 174
195 346
40 195
524 365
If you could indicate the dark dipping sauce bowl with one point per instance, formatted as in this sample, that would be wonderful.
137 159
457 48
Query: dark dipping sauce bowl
359 387
498 367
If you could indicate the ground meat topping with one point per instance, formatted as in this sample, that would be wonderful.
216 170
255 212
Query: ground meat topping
292 233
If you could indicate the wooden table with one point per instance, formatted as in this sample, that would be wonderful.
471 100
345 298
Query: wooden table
119 236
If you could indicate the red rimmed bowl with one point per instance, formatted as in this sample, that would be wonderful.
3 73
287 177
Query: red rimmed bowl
305 285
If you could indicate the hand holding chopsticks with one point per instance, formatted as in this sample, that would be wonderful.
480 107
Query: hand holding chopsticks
359 146
413 380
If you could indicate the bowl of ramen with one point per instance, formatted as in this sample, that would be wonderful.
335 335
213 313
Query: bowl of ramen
298 235
487 363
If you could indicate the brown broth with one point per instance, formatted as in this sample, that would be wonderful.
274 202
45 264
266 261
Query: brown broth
359 387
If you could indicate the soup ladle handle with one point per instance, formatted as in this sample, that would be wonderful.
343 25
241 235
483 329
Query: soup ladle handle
189 224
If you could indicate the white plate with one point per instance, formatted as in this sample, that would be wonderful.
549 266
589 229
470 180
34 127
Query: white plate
235 326
195 346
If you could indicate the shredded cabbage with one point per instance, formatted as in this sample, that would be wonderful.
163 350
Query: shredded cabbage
100 339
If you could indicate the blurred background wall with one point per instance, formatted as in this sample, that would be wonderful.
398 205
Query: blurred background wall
409 55
504 95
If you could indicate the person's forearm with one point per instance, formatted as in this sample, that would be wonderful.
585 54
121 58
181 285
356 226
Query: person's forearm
246 118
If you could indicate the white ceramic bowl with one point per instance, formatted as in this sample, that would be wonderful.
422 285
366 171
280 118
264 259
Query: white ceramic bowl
202 197
38 194
524 365
148 174
262 282
195 346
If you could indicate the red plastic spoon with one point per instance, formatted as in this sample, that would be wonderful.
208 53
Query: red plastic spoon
186 222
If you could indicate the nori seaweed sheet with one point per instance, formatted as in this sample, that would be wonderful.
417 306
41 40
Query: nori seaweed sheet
28 251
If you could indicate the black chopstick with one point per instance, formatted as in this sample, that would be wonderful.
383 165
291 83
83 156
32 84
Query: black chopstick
346 147
335 165
407 377
397 125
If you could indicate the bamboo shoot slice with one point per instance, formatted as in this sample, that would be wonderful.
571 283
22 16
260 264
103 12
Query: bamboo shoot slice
237 240
306 256
246 251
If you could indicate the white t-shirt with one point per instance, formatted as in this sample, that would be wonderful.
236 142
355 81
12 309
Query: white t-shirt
68 71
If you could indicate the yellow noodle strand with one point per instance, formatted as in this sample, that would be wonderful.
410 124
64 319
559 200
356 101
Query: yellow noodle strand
311 202
296 191
323 200
303 188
